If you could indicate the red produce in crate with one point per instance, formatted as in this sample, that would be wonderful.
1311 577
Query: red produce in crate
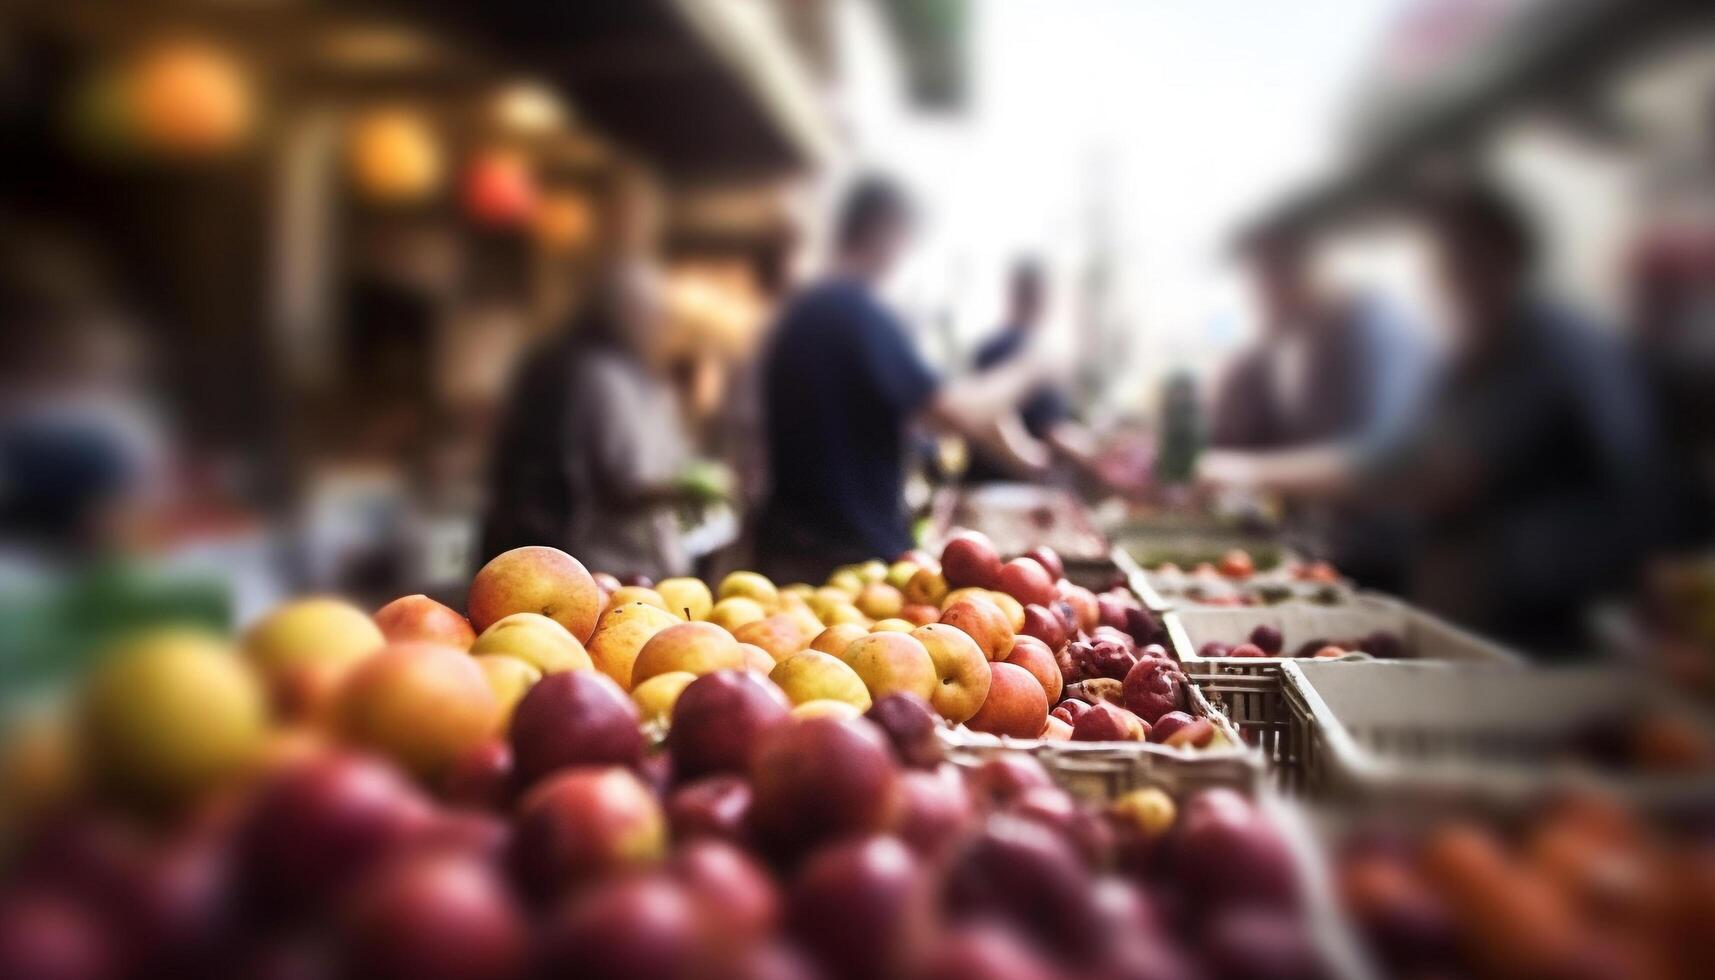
1155 687
970 559
1109 723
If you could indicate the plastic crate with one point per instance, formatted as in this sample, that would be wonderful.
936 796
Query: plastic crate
1248 688
1426 737
1102 771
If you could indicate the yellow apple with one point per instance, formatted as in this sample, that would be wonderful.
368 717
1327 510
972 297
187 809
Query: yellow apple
961 671
811 675
749 585
509 678
735 611
687 597
697 648
534 639
892 662
656 696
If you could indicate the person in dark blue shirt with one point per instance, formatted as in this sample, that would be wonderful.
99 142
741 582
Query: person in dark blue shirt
842 383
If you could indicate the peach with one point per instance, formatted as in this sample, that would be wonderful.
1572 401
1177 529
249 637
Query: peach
921 614
656 696
1033 655
894 625
961 671
637 593
781 634
1057 730
418 617
834 640
1015 706
687 597
735 611
421 704
1011 608
890 662
752 586
509 678
811 675
969 591
698 648
878 600
536 579
319 629
983 621
756 659
534 639
1083 603
621 634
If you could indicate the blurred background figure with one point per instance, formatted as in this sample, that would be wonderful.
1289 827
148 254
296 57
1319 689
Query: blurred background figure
1329 367
82 451
843 383
1042 426
1533 476
592 442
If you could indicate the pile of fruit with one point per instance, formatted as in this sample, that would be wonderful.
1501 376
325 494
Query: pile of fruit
1268 641
421 794
1236 579
1583 888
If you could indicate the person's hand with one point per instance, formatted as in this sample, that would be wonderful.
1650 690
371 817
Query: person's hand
1221 468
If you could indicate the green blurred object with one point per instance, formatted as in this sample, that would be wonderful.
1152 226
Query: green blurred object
51 634
707 480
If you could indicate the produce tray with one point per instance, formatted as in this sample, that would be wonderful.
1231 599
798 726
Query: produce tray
1103 771
1426 738
1248 689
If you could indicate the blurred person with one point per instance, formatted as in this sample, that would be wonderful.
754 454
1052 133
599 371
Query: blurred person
592 446
1533 476
1043 421
842 384
1328 367
81 445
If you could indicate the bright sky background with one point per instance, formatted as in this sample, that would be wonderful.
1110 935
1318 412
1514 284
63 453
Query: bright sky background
1170 120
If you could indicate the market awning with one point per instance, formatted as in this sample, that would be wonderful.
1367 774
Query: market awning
1544 52
705 90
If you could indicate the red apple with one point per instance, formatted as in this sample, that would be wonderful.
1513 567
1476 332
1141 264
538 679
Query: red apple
719 720
912 727
646 927
1225 853
1109 723
821 778
716 807
970 559
573 718
481 777
584 824
862 909
1268 639
1020 873
435 915
1049 559
1181 729
938 808
984 952
1002 779
320 824
49 935
1027 582
736 894
1155 687
1046 625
